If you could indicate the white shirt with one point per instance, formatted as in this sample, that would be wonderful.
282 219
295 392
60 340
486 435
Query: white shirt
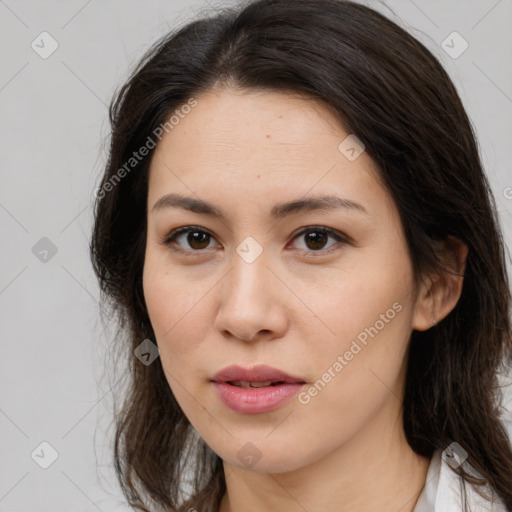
442 491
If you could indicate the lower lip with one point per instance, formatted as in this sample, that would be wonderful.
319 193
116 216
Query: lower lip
256 400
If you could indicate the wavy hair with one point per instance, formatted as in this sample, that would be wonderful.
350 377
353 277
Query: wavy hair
389 90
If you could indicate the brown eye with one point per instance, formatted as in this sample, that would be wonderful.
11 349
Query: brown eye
316 238
196 238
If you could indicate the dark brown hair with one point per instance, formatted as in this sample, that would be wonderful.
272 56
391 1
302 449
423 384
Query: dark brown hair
390 91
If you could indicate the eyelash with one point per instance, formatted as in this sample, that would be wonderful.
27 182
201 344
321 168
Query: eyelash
169 239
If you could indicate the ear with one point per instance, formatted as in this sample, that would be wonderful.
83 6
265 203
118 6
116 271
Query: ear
438 294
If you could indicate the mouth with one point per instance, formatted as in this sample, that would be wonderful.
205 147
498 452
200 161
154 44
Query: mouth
255 390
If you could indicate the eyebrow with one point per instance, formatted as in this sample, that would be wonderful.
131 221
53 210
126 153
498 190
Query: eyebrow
279 211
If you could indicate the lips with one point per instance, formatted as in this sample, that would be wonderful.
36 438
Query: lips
256 390
258 376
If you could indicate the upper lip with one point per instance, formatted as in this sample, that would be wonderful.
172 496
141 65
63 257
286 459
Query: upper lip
260 373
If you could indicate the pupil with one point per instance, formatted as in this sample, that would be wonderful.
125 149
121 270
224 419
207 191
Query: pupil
195 238
318 239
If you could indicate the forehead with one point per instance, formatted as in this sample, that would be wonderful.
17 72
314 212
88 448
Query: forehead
263 144
248 119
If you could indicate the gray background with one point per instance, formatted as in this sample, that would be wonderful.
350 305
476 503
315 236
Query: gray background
53 124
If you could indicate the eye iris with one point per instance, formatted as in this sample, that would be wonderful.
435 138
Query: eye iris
318 239
197 237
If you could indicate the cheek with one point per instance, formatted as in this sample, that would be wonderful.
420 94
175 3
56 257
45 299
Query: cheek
175 318
370 312
351 302
173 308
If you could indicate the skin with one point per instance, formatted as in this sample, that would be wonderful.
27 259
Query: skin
296 307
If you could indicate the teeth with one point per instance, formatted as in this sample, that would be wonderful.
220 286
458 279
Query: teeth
260 384
242 384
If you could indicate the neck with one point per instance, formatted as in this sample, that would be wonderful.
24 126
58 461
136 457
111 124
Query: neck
376 470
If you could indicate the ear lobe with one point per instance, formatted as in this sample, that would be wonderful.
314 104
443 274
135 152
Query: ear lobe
439 293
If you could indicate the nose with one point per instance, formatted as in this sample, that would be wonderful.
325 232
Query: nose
252 302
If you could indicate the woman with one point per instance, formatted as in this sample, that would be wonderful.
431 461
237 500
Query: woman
294 372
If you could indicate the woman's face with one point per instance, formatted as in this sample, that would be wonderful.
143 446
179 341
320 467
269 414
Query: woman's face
263 284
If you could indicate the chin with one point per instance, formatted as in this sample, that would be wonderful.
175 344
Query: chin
265 458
